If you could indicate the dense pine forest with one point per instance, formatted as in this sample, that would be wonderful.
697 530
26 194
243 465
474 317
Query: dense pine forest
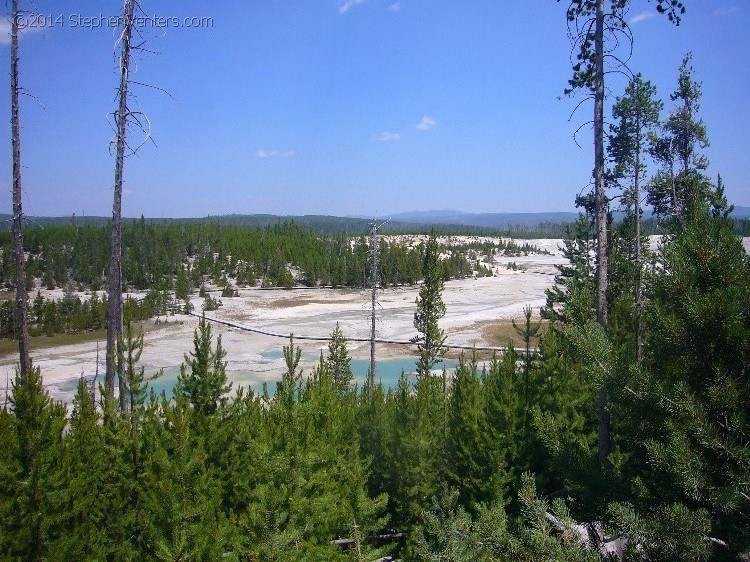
171 260
169 255
459 467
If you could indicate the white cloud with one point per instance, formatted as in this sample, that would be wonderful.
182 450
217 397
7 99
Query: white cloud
348 5
387 136
23 30
395 7
643 16
726 11
426 124
263 154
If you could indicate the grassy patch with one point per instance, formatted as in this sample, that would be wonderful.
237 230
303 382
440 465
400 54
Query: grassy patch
500 332
8 347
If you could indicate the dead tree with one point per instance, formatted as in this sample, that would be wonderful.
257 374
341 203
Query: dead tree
21 295
114 312
374 248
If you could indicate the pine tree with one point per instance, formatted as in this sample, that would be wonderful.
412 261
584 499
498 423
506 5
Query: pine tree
638 115
597 34
462 463
694 387
182 288
132 348
35 442
18 250
114 316
206 383
338 361
528 331
500 428
445 534
430 309
82 528
373 431
188 524
681 183
577 273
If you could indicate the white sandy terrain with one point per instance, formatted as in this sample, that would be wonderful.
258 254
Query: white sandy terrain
315 312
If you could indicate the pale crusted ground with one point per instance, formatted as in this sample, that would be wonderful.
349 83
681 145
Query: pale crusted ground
315 312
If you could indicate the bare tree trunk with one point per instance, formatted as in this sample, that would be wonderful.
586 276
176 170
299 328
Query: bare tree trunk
638 250
357 544
21 295
374 250
601 213
114 316
675 202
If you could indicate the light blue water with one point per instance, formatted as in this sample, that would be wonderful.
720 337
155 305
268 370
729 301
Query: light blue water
388 371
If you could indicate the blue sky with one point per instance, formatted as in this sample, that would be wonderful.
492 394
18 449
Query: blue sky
347 107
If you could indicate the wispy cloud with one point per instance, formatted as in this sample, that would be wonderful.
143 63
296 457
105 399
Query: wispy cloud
387 136
348 5
263 154
395 7
643 16
726 11
23 30
426 124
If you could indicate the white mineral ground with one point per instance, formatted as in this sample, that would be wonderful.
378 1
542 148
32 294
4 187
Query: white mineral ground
470 304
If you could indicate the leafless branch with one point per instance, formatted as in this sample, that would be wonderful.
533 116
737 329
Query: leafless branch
154 87
25 92
575 134
580 103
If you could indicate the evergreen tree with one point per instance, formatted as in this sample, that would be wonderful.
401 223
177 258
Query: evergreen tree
338 361
33 438
528 331
681 183
577 273
373 432
132 348
82 522
188 524
206 383
446 532
430 309
597 34
462 463
693 392
638 114
500 429
182 288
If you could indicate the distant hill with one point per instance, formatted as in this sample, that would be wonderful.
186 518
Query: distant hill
446 222
31 221
485 220
547 225
503 221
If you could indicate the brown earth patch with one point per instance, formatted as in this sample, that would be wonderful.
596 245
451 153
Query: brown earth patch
501 332
9 347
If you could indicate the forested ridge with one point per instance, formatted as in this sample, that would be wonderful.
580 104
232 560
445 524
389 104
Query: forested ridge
172 260
156 254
